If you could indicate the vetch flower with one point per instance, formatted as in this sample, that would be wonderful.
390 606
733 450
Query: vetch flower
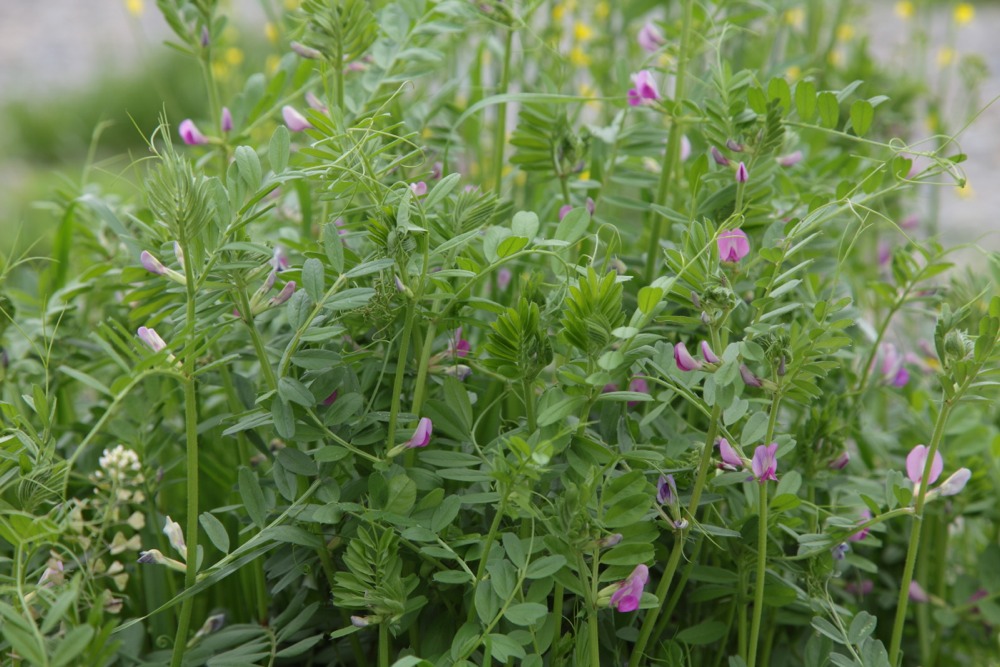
841 461
791 159
459 346
749 379
638 385
863 533
190 133
917 593
359 621
175 535
860 589
329 400
284 295
279 261
151 264
503 279
629 592
650 37
684 360
305 51
893 371
765 462
719 158
645 91
955 482
563 210
212 624
734 146
666 490
419 188
730 459
916 460
840 551
733 245
707 353
151 339
422 434
226 122
609 541
742 175
295 121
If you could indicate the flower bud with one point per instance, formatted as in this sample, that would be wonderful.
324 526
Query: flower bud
733 146
295 121
742 175
707 353
151 339
190 133
650 37
305 51
841 461
749 378
151 264
719 158
284 295
791 159
226 121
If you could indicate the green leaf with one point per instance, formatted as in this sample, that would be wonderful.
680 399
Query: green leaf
283 417
525 613
215 530
573 226
754 429
277 149
777 89
249 166
649 297
333 245
708 632
445 513
545 567
515 549
525 224
293 391
827 628
72 645
252 496
829 109
402 495
805 100
511 245
313 278
861 626
862 114
503 648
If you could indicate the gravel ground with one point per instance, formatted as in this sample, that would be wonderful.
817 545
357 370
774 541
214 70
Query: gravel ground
54 44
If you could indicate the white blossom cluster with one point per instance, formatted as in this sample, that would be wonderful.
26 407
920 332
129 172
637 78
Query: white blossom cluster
119 465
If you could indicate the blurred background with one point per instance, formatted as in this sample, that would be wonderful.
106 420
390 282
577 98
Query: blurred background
81 83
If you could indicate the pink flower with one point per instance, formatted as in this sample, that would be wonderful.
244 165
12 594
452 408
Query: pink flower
955 482
916 461
315 103
638 385
893 371
645 91
305 51
284 295
719 158
765 462
730 459
609 387
295 121
733 245
629 592
860 589
911 221
863 533
422 434
152 339
419 188
329 400
707 353
279 260
151 264
841 461
791 159
650 37
459 346
917 593
226 121
666 490
564 210
685 147
190 133
503 279
749 379
742 175
684 360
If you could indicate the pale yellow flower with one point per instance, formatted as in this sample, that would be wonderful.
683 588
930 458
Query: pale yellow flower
272 63
835 58
271 32
965 191
945 56
795 17
964 13
793 73
845 32
578 57
134 7
582 32
904 9
234 56
602 10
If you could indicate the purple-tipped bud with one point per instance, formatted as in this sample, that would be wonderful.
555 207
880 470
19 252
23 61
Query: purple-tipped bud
151 264
422 434
609 541
206 37
638 385
419 188
917 593
650 37
707 353
151 557
591 206
151 339
781 366
733 245
955 483
645 91
695 299
295 121
629 592
227 120
269 282
765 462
609 387
684 360
459 346
459 371
863 533
564 210
315 103
730 459
284 295
749 378
791 159
841 461
190 133
400 287
305 51
329 400
838 552
916 460
732 145
719 158
503 279
666 490
742 175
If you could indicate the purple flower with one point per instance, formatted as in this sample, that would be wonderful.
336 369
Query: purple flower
305 51
863 533
917 593
742 175
684 360
791 159
226 121
666 490
609 387
279 260
765 462
629 592
749 379
563 210
916 460
503 279
838 552
422 434
645 91
610 540
206 37
707 353
284 295
860 589
315 103
911 221
730 459
955 482
590 205
151 264
151 339
459 346
650 37
734 146
884 253
638 385
733 245
419 188
295 121
841 461
719 158
893 371
329 400
190 133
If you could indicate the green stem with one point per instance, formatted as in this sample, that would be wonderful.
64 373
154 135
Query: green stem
557 615
397 385
383 644
338 75
592 625
529 405
500 131
758 597
914 546
671 156
484 556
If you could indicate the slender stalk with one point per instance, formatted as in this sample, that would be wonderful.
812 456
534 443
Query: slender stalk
500 131
914 546
557 615
670 157
383 645
592 625
758 597
484 556
397 386
338 75
529 405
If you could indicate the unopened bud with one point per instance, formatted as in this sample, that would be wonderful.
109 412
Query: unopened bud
305 51
749 378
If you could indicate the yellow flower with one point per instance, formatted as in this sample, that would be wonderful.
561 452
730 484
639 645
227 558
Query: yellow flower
134 7
835 58
964 12
965 191
520 178
793 73
220 70
795 17
845 32
271 32
234 56
931 122
582 31
292 5
904 9
585 175
578 57
601 10
272 63
945 56
427 133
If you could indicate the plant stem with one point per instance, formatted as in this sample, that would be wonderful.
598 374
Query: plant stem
397 385
557 612
914 546
592 625
383 644
529 405
758 597
500 131
671 155
484 556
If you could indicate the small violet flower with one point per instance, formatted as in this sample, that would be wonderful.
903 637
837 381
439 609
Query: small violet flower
684 360
838 552
419 188
863 533
707 353
917 593
893 370
733 245
330 400
315 103
749 379
295 121
305 51
459 346
742 175
422 434
226 121
916 461
955 482
190 133
284 295
645 91
151 339
503 279
790 160
841 461
629 592
666 490
730 459
650 37
151 264
719 158
564 210
638 385
765 462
